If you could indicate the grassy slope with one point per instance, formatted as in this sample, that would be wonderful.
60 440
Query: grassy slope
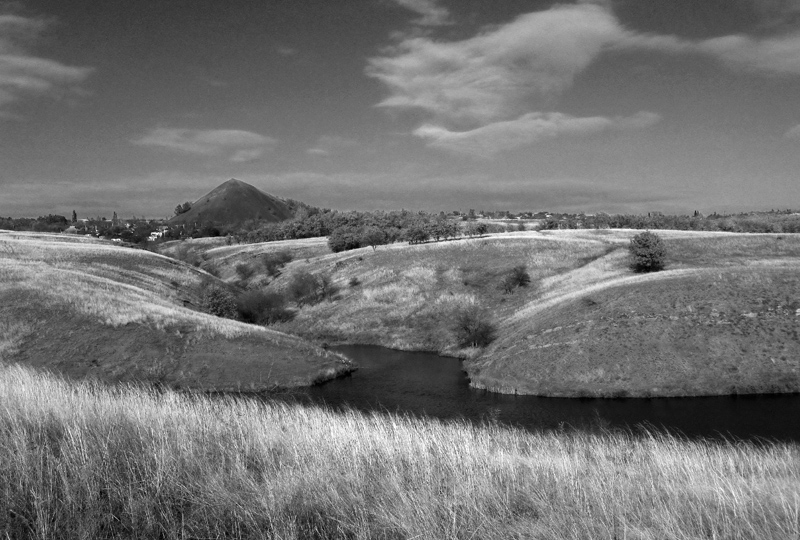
720 320
93 309
83 461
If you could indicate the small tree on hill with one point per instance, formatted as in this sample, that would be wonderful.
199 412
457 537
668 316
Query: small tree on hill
473 328
647 252
516 277
373 236
183 208
218 301
262 307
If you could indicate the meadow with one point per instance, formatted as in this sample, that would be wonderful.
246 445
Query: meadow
89 308
720 319
80 460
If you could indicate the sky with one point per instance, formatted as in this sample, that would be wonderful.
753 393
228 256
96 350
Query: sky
619 106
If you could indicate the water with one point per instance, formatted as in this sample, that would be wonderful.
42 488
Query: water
427 384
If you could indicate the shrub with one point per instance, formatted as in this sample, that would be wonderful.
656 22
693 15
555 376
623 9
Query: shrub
325 288
273 262
186 254
516 277
647 252
344 238
244 270
263 307
473 328
218 301
354 282
210 268
303 288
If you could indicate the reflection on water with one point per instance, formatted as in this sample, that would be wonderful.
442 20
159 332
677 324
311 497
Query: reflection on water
427 384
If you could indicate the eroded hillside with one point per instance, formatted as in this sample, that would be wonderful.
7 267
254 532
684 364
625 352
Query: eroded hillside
89 308
720 319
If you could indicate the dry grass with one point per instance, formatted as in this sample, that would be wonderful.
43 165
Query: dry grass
80 461
407 297
116 286
707 331
408 294
116 314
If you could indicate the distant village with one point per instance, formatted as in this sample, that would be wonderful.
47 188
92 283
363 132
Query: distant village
140 230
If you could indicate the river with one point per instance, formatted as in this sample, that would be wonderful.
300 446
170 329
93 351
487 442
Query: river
427 384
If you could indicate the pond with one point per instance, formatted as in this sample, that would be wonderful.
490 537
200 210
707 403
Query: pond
427 384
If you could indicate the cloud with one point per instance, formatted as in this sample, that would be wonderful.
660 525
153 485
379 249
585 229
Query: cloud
284 50
793 133
508 70
776 13
777 55
331 144
497 137
24 75
495 74
239 146
430 13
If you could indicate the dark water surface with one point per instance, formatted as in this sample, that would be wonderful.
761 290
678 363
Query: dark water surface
427 384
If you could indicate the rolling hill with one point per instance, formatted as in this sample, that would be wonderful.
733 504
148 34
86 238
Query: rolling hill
721 319
233 202
86 308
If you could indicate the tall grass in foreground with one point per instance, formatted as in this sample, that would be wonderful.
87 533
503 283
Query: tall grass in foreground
83 461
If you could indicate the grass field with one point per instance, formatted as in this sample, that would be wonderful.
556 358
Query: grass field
716 321
85 461
89 308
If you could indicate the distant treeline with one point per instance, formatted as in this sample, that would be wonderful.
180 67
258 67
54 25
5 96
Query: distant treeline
48 223
351 230
762 222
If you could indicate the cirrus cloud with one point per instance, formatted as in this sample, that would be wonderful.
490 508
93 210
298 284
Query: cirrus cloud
430 13
497 137
328 145
237 145
487 88
23 74
492 76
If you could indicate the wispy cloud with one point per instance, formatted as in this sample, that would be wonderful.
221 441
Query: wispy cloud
775 55
493 87
431 14
493 75
284 50
793 133
328 145
489 140
23 74
776 13
238 146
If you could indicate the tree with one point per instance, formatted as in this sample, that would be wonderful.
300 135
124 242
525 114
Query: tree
417 234
262 307
344 238
183 208
303 288
218 301
274 261
472 327
373 236
74 217
647 252
516 277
